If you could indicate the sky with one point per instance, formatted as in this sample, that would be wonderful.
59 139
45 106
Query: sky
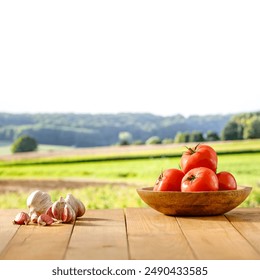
160 57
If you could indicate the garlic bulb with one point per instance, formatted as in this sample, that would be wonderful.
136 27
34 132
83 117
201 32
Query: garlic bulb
62 211
76 204
38 202
21 218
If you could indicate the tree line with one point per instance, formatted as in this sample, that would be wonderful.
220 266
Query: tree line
242 126
86 130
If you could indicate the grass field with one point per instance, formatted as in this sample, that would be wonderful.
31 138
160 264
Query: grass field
241 158
103 197
56 154
244 166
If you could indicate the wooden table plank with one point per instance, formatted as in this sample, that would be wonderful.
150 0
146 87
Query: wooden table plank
33 242
152 235
216 238
7 229
99 234
135 233
247 222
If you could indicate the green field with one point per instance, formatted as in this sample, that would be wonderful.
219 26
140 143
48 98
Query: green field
241 158
121 152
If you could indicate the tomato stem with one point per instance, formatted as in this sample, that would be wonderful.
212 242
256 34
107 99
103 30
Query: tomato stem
191 178
192 151
196 146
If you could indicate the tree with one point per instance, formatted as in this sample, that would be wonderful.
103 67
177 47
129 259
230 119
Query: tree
212 136
196 136
125 138
182 137
252 130
232 131
24 143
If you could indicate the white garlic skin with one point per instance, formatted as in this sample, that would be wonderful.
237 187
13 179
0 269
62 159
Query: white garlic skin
21 218
76 204
38 202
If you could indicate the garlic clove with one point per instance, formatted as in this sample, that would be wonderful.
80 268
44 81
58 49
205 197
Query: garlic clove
68 215
57 208
49 212
21 218
81 208
45 220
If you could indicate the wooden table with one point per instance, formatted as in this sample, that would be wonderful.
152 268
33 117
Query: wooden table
135 233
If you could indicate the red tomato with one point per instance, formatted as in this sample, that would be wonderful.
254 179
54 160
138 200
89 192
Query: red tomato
199 179
169 180
226 181
200 156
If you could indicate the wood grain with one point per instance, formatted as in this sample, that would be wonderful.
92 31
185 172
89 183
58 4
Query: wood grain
216 239
152 235
99 234
7 229
33 242
247 222
135 233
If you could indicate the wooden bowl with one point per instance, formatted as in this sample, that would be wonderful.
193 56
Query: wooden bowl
194 203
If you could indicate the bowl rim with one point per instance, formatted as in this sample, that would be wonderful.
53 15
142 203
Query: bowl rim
150 190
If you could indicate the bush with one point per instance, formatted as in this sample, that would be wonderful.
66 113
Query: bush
137 142
24 143
153 140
